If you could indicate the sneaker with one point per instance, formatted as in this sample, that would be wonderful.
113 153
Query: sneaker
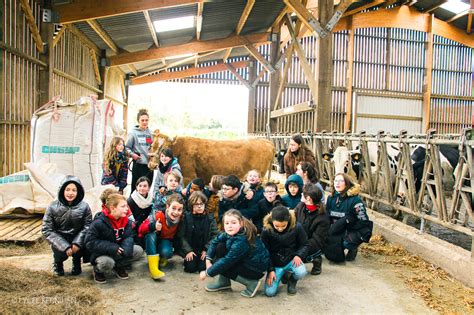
121 273
58 269
351 254
99 277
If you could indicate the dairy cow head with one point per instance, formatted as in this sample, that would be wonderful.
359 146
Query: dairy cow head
345 161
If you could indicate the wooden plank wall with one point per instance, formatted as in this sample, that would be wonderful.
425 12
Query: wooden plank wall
19 85
73 74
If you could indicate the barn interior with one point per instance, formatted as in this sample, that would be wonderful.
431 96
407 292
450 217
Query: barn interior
324 68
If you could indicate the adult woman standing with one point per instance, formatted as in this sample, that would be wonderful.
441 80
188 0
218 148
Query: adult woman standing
138 145
297 152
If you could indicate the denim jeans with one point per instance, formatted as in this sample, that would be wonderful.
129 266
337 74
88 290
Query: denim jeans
155 245
298 273
106 263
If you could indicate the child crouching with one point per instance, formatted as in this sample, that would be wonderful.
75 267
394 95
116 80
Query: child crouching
236 254
159 231
110 240
199 228
287 243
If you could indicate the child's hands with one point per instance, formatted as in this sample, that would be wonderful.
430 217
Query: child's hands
203 255
271 277
297 261
69 252
162 190
120 251
75 248
159 226
249 194
135 156
202 275
189 256
183 192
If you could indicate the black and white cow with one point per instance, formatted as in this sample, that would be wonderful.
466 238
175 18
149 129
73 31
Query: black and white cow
280 155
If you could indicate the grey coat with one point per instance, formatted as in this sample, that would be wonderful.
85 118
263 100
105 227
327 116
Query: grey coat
65 224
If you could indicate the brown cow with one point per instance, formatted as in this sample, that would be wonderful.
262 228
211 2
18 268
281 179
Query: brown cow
204 157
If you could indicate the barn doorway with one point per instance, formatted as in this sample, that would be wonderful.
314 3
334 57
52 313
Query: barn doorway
213 111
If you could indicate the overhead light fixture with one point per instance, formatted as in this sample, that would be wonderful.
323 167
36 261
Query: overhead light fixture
180 23
455 6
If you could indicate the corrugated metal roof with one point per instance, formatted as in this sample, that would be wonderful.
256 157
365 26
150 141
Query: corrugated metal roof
262 16
129 29
91 34
220 19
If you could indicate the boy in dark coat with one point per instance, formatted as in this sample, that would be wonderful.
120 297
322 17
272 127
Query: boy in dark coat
65 224
286 242
110 239
312 216
294 188
271 200
233 197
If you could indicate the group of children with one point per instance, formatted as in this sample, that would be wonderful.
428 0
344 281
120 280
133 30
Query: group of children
230 230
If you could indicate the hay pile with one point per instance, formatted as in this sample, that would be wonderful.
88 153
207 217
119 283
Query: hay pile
434 285
38 292
11 249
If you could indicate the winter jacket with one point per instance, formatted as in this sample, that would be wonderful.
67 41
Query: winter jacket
101 239
159 177
248 208
264 208
316 226
149 226
66 224
289 200
254 257
187 235
118 173
139 142
349 216
291 161
159 199
284 246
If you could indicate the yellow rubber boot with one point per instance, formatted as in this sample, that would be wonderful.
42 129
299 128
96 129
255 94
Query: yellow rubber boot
153 267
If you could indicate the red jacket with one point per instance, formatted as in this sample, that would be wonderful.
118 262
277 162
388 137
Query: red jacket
166 232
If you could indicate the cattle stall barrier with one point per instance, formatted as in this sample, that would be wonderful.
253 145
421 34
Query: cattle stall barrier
377 187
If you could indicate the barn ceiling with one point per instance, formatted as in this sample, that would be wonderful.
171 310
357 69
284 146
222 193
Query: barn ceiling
122 27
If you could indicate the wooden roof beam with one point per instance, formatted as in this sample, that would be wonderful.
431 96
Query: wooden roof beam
199 20
25 6
59 35
95 63
149 23
341 8
459 15
103 34
434 7
241 23
83 38
92 9
188 73
469 24
188 48
237 75
364 7
306 17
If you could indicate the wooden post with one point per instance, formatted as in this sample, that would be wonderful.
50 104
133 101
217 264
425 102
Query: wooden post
428 76
274 76
252 96
323 108
46 74
103 75
349 77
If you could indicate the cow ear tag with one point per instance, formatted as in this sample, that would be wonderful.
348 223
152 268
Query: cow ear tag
326 157
356 157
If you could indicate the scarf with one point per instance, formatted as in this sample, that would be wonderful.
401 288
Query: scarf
118 225
312 208
142 202
165 168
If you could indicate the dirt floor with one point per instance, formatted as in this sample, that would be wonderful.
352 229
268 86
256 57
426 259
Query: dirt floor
383 280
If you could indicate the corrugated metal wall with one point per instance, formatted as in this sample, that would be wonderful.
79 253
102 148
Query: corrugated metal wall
19 85
452 88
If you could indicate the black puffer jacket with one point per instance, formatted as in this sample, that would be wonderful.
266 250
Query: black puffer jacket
316 226
101 239
284 246
65 224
